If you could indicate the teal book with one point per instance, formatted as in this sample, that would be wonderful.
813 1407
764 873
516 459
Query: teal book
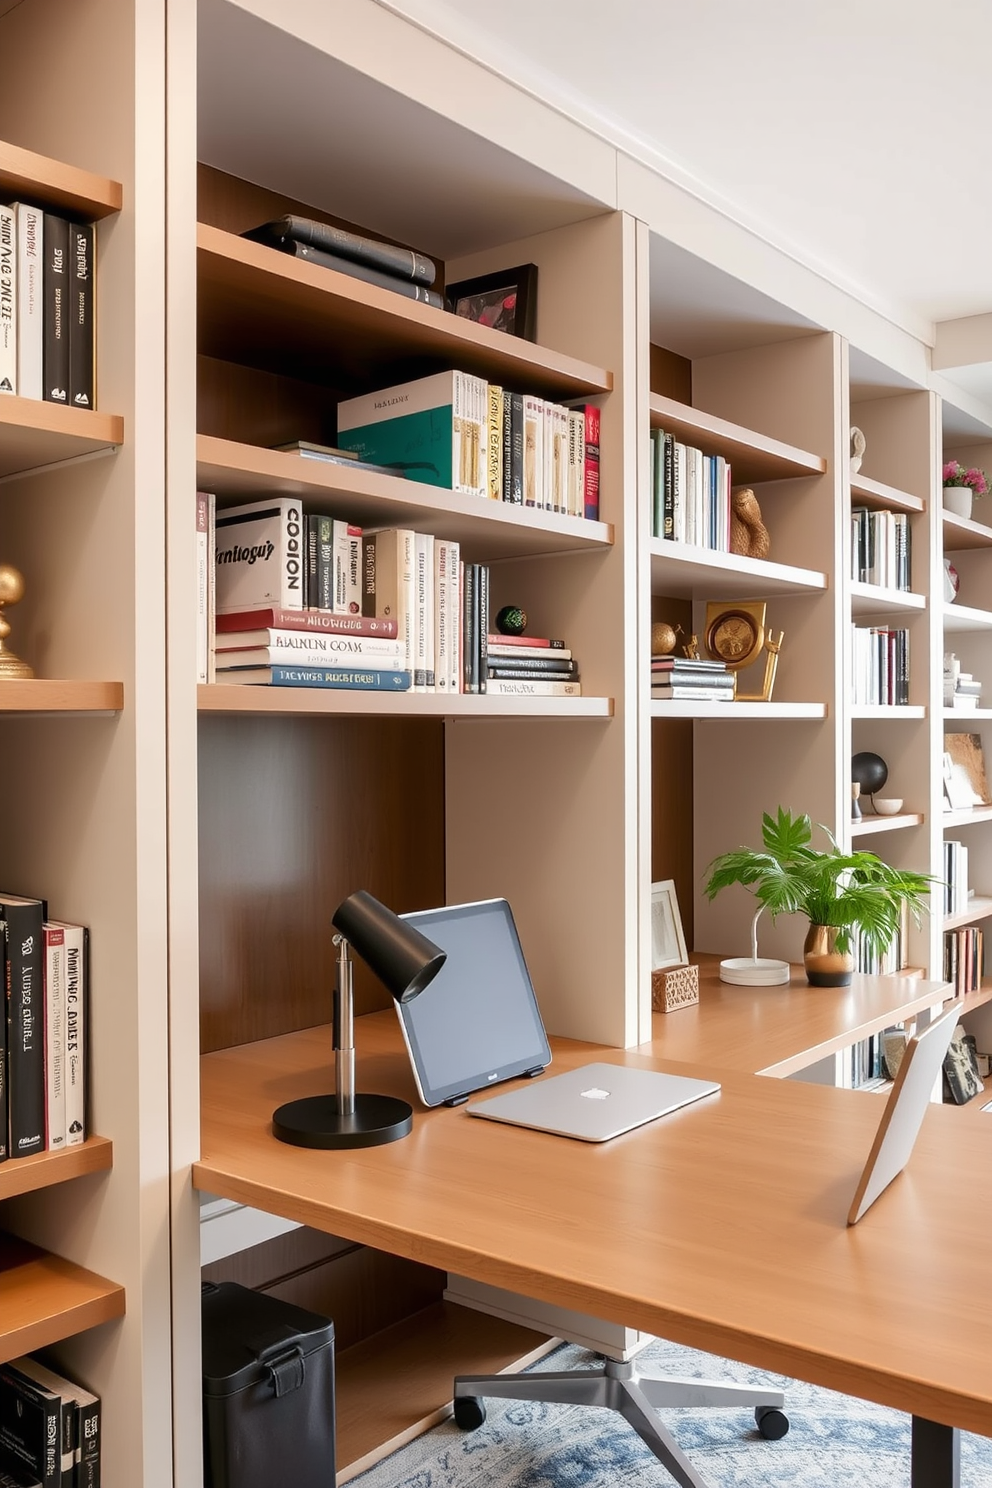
433 430
362 679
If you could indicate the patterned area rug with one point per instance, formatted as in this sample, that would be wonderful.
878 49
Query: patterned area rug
834 1441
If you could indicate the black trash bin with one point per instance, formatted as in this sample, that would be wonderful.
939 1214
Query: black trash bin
268 1392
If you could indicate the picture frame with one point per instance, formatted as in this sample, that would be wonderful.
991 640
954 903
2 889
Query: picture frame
667 936
505 300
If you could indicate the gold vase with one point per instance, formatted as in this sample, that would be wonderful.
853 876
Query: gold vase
825 965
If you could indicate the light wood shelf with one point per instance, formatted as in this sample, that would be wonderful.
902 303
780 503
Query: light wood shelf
964 618
875 494
753 457
682 571
967 817
972 1000
35 434
979 908
702 708
871 599
51 183
488 530
219 697
961 715
43 1169
888 710
961 533
44 1298
52 695
870 826
262 307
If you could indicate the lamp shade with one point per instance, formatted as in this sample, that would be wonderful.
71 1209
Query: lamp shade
404 960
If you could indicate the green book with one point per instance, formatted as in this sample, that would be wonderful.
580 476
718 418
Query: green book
433 430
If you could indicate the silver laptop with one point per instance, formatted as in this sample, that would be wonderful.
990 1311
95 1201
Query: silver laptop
595 1102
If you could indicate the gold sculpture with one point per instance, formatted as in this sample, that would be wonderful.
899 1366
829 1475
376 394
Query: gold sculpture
664 638
736 635
11 590
748 534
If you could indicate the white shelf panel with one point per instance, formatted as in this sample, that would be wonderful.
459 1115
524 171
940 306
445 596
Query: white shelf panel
880 710
961 715
682 571
219 697
870 599
753 457
726 711
869 826
969 817
873 493
964 532
979 908
964 617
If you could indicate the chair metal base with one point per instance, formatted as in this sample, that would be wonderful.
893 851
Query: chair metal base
620 1387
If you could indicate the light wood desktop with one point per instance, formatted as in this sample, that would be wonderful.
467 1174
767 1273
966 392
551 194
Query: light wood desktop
722 1226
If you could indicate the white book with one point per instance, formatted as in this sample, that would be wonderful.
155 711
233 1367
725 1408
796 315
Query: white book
576 461
516 653
202 586
259 558
8 300
442 586
504 687
346 558
75 1031
559 436
394 585
533 450
722 538
30 314
679 523
211 583
434 429
266 656
305 644
454 618
55 1038
423 633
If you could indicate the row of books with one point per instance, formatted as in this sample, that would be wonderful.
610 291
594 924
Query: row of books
881 548
956 893
690 494
43 1036
862 1065
964 958
677 678
892 960
47 269
385 264
962 690
880 665
462 433
50 1428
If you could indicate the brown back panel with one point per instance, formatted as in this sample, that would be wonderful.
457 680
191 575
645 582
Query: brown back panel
672 786
670 374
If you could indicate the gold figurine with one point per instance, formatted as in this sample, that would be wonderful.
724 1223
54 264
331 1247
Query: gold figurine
11 590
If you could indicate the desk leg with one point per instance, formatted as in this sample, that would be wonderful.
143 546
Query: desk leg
936 1455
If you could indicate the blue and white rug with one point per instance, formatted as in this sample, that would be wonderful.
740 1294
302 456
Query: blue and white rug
834 1441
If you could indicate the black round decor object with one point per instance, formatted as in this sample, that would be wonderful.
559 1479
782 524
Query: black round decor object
771 1422
314 1121
511 620
870 771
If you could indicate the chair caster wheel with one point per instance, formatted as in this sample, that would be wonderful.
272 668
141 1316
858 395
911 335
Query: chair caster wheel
470 1412
771 1422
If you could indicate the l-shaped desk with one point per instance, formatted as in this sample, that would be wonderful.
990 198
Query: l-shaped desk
722 1227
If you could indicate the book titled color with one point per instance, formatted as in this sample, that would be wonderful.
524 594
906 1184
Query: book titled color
304 620
376 680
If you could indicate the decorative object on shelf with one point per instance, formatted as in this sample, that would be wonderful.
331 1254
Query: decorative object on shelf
667 935
961 484
664 638
887 805
405 961
952 582
748 534
675 988
506 301
691 648
11 592
841 894
735 634
855 803
962 1078
858 446
965 780
755 970
511 620
870 772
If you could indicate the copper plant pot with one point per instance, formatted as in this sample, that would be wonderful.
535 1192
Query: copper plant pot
825 965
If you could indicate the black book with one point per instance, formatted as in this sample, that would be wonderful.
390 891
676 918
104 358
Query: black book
310 589
398 263
81 279
668 491
80 1423
513 454
511 666
482 623
529 674
23 962
362 271
55 290
30 1427
470 627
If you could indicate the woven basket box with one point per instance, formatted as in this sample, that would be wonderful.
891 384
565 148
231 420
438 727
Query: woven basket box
677 987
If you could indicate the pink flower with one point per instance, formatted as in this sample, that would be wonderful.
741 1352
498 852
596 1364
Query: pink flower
951 470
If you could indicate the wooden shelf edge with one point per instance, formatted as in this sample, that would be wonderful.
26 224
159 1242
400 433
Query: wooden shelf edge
794 461
52 182
52 695
888 710
218 697
979 908
782 575
967 818
964 532
27 1174
704 709
869 825
44 1298
873 596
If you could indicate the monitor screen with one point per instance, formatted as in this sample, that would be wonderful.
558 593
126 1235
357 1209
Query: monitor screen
478 1021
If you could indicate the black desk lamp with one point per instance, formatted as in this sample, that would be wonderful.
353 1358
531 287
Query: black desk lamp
405 962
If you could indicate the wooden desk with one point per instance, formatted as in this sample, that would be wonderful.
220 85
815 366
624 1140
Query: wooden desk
722 1227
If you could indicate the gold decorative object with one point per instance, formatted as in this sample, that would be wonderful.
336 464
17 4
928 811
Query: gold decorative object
735 634
664 638
825 965
11 590
676 987
748 534
691 648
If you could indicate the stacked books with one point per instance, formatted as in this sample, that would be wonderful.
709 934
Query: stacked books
956 891
43 1037
881 548
961 690
531 666
880 671
49 1428
964 956
47 268
689 677
384 264
465 434
690 494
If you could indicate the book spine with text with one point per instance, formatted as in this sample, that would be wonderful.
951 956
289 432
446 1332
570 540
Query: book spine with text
311 595
513 448
442 616
30 301
56 309
350 653
347 597
81 316
482 623
495 398
502 687
306 645
30 1427
356 679
394 585
590 484
398 263
77 944
454 683
23 920
272 618
202 585
8 300
260 555
364 272
425 611
533 481
470 621
55 1040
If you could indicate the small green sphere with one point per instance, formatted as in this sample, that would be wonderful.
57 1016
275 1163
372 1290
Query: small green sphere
511 620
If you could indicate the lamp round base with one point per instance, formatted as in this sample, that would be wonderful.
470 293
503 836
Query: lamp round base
315 1122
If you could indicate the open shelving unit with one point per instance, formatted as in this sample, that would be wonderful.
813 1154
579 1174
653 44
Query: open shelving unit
44 1299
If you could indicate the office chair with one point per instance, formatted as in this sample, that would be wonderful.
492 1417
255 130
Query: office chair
621 1387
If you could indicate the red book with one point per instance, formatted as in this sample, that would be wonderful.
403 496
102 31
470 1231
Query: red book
278 619
591 480
495 639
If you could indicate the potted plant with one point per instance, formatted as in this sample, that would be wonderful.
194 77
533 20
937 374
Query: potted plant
961 484
841 894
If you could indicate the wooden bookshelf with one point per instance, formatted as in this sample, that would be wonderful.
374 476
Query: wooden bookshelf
44 1298
490 530
754 457
969 816
871 599
870 826
43 1169
878 496
961 533
218 697
694 708
964 618
979 908
49 695
35 435
264 308
888 710
52 183
682 571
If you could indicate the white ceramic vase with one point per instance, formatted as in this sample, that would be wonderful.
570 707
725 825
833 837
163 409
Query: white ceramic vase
958 499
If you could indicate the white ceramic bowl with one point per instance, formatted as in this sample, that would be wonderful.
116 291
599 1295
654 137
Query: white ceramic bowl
887 805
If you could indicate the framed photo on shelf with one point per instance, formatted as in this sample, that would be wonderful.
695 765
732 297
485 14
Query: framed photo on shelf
506 301
667 936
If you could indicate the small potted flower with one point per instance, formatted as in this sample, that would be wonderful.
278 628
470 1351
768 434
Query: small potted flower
961 484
